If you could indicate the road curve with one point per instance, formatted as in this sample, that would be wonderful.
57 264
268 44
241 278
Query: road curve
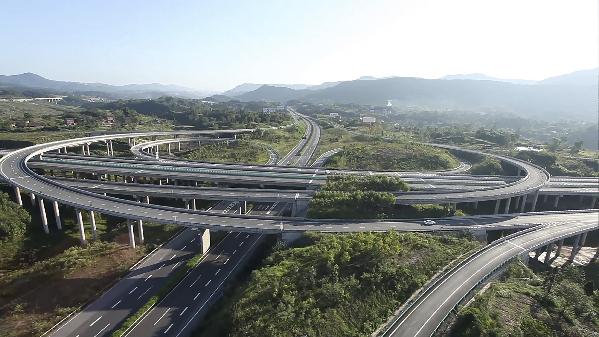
430 308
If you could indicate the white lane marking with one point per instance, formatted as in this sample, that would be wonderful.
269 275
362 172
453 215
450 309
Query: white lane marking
235 251
167 310
196 296
99 332
207 283
175 266
196 280
218 271
193 240
145 292
184 247
172 257
132 290
214 292
218 257
184 310
114 305
227 261
241 244
161 266
94 322
147 278
167 329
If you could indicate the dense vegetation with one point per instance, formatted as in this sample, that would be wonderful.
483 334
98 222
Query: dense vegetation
535 305
13 220
348 196
352 183
557 164
201 114
336 285
368 197
489 166
242 151
393 156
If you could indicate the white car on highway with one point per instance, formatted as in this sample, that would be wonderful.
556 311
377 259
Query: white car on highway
429 222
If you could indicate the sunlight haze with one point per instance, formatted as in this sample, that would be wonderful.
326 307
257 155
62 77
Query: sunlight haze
215 45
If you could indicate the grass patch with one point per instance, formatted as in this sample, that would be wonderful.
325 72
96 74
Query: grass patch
392 156
335 285
524 303
243 151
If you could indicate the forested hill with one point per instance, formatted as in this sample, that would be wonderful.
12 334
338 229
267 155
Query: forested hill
201 114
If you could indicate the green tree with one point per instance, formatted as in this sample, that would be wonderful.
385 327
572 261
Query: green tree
13 219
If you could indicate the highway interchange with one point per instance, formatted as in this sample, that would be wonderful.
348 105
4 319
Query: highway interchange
181 309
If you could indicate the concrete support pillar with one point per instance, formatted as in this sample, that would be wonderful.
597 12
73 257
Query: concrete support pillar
560 244
92 219
243 207
81 228
107 149
516 202
179 145
534 201
157 156
87 148
111 148
596 256
65 150
43 215
57 214
169 148
205 240
523 206
497 202
32 197
140 230
131 234
575 248
593 202
548 252
18 196
147 199
83 150
507 205
193 204
186 203
556 201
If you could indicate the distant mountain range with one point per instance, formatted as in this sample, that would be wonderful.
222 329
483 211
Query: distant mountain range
483 77
570 96
153 90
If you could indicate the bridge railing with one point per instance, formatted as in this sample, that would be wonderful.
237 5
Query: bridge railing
440 277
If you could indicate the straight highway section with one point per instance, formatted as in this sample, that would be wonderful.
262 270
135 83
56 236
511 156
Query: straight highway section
423 317
104 314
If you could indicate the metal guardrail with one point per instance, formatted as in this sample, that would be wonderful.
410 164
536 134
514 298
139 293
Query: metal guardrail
434 282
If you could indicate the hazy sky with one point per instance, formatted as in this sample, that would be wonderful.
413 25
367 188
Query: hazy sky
218 44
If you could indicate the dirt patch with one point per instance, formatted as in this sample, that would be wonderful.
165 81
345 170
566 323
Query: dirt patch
46 303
